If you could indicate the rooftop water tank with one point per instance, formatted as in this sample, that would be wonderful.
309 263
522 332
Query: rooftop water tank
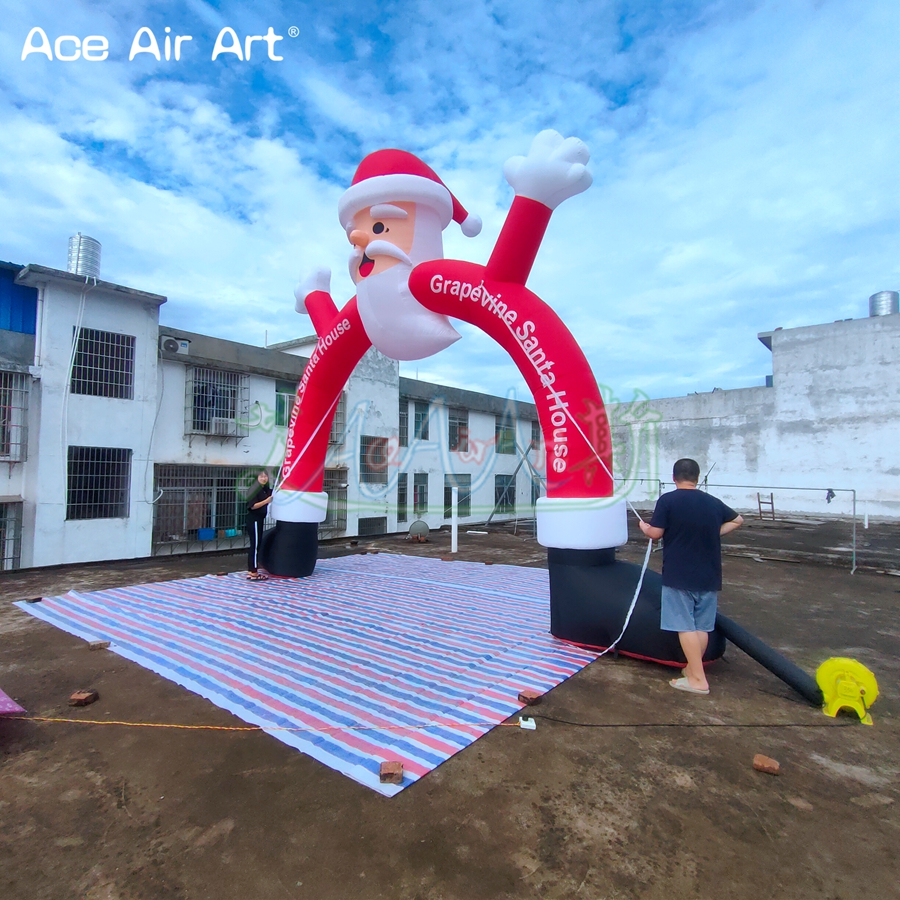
884 303
84 256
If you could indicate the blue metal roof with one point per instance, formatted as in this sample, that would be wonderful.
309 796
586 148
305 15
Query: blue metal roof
18 303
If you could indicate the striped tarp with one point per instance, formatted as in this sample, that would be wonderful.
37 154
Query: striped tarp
372 658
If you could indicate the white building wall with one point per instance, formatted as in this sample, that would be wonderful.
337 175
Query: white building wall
830 420
63 419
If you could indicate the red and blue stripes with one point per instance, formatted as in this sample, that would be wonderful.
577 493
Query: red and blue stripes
372 658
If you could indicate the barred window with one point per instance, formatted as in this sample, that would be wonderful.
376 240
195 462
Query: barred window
335 485
464 483
200 497
103 364
10 536
420 493
373 460
505 493
402 489
372 525
505 434
404 421
459 430
217 403
421 421
339 423
99 483
13 416
285 397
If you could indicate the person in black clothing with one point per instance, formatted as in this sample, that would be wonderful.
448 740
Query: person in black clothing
693 523
259 498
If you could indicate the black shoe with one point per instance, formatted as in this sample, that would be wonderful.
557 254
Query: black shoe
590 592
290 549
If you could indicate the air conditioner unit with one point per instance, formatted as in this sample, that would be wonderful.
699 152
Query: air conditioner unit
223 427
169 344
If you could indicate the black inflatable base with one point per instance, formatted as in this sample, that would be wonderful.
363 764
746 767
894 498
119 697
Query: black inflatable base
290 549
590 592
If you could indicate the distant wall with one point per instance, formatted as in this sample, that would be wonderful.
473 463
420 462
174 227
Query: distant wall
830 420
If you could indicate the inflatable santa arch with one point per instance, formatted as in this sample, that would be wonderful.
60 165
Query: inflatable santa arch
394 213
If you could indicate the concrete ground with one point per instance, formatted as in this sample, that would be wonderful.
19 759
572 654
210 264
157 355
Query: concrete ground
627 789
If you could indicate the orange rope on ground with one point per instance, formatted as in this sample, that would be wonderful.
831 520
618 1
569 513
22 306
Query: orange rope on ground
267 728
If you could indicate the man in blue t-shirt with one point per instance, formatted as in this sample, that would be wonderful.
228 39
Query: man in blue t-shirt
693 523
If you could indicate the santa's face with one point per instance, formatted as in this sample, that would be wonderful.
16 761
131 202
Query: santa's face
388 240
380 225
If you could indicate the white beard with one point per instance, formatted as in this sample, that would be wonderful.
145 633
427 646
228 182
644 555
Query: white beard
396 323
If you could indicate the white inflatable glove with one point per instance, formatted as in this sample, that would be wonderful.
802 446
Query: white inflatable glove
553 171
318 280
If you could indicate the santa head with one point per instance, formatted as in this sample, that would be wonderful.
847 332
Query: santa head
394 212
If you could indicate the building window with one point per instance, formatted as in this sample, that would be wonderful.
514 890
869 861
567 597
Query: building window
505 434
335 485
194 500
104 364
217 403
13 416
505 493
339 422
420 493
99 483
404 421
372 525
10 536
421 422
536 434
373 460
285 398
459 430
402 488
464 483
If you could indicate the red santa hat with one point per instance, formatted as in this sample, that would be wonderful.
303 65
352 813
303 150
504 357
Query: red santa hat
387 175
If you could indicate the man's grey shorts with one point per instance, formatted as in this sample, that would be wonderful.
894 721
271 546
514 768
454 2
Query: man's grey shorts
688 610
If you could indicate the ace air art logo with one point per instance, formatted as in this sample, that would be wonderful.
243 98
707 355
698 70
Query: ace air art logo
96 48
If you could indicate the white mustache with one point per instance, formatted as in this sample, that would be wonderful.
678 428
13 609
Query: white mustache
380 248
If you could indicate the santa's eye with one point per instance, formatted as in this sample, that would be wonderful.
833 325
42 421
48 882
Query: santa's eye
378 227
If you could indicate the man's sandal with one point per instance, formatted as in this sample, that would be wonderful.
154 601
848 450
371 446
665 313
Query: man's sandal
682 684
257 576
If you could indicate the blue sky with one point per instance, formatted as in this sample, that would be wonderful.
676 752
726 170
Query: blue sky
744 157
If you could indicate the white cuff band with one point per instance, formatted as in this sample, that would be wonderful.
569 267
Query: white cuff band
299 506
581 523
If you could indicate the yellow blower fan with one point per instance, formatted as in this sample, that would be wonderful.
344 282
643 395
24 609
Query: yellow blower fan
847 684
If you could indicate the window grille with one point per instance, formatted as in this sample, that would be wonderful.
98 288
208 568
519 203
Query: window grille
404 421
285 397
535 490
373 460
339 423
14 388
195 497
420 493
459 430
217 403
335 485
99 483
104 364
505 434
505 493
10 536
421 421
372 525
464 483
402 490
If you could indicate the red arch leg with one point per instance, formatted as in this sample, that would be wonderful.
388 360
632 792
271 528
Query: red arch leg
341 346
578 511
